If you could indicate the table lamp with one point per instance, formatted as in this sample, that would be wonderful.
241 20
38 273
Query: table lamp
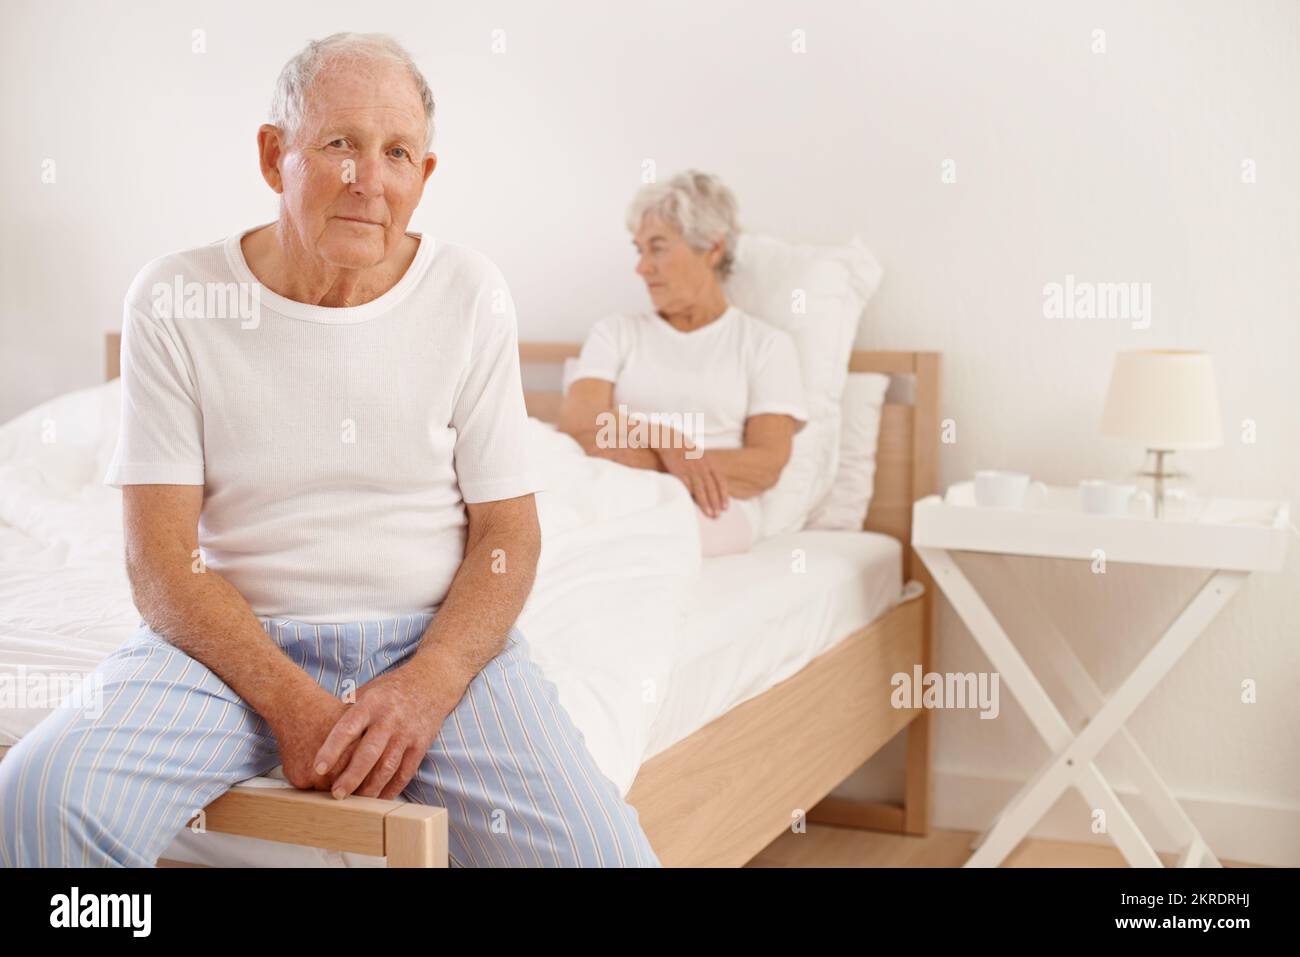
1165 399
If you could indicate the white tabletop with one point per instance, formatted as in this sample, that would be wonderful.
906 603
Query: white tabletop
1237 534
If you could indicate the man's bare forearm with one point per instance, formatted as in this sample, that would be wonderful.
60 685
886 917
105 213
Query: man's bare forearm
202 614
482 605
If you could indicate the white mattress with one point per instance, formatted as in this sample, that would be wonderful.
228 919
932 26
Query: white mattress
753 620
622 597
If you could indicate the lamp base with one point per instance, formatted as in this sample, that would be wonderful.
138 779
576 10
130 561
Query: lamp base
1160 479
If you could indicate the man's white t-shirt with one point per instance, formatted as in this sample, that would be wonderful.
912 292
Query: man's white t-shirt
717 375
337 447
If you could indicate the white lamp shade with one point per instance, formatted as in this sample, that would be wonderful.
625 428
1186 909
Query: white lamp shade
1164 400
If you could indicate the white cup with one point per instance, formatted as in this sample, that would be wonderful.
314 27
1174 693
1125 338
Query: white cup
995 488
1103 497
1183 505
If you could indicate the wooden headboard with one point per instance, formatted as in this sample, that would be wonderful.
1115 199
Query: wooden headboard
907 457
112 356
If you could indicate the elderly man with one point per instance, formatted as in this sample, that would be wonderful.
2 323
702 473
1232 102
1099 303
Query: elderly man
330 525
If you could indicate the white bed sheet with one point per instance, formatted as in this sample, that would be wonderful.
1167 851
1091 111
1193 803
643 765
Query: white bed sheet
753 620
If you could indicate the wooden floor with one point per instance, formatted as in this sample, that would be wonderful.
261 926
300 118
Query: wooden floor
825 846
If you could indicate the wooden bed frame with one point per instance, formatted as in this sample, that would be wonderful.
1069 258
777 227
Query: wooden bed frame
719 796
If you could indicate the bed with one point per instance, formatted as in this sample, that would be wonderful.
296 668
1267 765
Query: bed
726 705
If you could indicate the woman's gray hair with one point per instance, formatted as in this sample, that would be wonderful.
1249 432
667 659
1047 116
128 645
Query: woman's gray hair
289 104
699 206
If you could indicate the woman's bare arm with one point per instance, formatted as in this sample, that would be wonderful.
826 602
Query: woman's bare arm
755 468
580 416
746 472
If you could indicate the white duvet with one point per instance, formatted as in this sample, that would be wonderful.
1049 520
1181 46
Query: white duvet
620 549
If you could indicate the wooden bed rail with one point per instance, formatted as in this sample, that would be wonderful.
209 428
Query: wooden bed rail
408 835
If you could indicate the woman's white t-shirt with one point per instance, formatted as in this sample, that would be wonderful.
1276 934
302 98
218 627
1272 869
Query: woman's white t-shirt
716 376
337 447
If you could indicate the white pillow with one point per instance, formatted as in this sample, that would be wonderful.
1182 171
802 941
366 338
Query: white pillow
111 425
845 505
62 440
817 295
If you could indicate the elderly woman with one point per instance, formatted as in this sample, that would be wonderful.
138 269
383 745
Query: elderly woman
344 471
730 380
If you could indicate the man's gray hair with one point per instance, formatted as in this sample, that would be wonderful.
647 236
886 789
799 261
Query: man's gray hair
289 104
696 204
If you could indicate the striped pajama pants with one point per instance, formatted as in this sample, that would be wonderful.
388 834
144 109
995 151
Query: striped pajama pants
113 784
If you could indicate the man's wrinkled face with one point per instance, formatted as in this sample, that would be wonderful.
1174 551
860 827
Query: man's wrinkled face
356 168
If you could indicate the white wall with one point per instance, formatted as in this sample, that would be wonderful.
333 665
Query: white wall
1115 166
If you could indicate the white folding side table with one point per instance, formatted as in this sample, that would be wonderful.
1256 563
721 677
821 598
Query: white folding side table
1232 538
